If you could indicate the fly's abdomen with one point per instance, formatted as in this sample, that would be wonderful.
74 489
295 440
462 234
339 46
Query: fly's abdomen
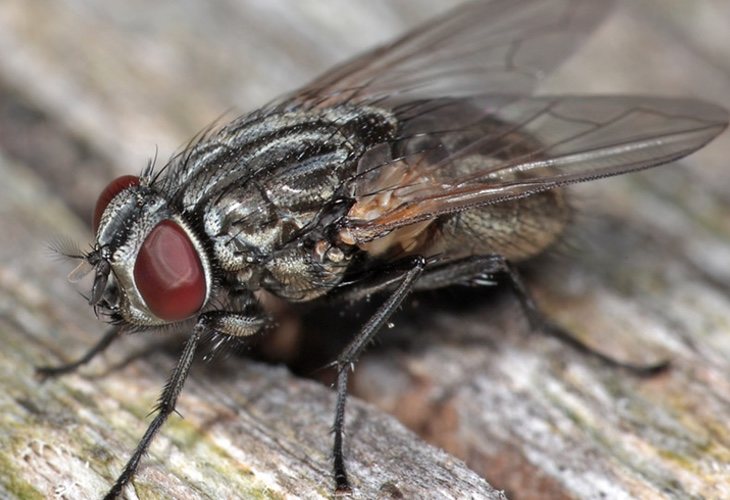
517 230
427 190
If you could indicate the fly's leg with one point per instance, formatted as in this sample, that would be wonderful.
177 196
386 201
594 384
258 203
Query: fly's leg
109 337
470 271
540 322
164 408
219 322
483 271
350 354
477 271
496 264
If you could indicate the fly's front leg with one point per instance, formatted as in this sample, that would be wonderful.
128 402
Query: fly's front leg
214 322
109 337
350 354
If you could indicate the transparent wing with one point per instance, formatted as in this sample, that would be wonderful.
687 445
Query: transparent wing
455 154
497 46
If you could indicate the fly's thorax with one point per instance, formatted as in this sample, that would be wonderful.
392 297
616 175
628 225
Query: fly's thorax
259 244
160 271
305 271
269 204
293 155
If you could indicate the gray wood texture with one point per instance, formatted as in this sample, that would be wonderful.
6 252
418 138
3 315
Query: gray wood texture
90 90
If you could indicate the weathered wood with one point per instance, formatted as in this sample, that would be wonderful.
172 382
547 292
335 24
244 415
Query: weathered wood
649 280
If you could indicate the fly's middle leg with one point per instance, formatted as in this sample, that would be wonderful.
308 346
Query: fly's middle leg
349 355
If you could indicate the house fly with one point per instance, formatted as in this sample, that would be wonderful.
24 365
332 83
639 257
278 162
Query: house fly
424 163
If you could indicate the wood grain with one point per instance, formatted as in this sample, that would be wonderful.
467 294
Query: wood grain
90 90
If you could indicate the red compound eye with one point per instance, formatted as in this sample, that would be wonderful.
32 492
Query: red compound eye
110 191
168 273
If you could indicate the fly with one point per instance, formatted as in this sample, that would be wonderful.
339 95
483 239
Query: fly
421 164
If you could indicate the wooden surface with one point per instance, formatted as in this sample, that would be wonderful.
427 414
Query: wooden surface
88 90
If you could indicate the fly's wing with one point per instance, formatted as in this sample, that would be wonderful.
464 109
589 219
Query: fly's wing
497 46
456 154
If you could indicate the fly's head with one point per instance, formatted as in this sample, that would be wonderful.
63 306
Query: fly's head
149 267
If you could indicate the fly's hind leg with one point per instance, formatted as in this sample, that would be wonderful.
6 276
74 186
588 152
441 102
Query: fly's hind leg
539 321
485 270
